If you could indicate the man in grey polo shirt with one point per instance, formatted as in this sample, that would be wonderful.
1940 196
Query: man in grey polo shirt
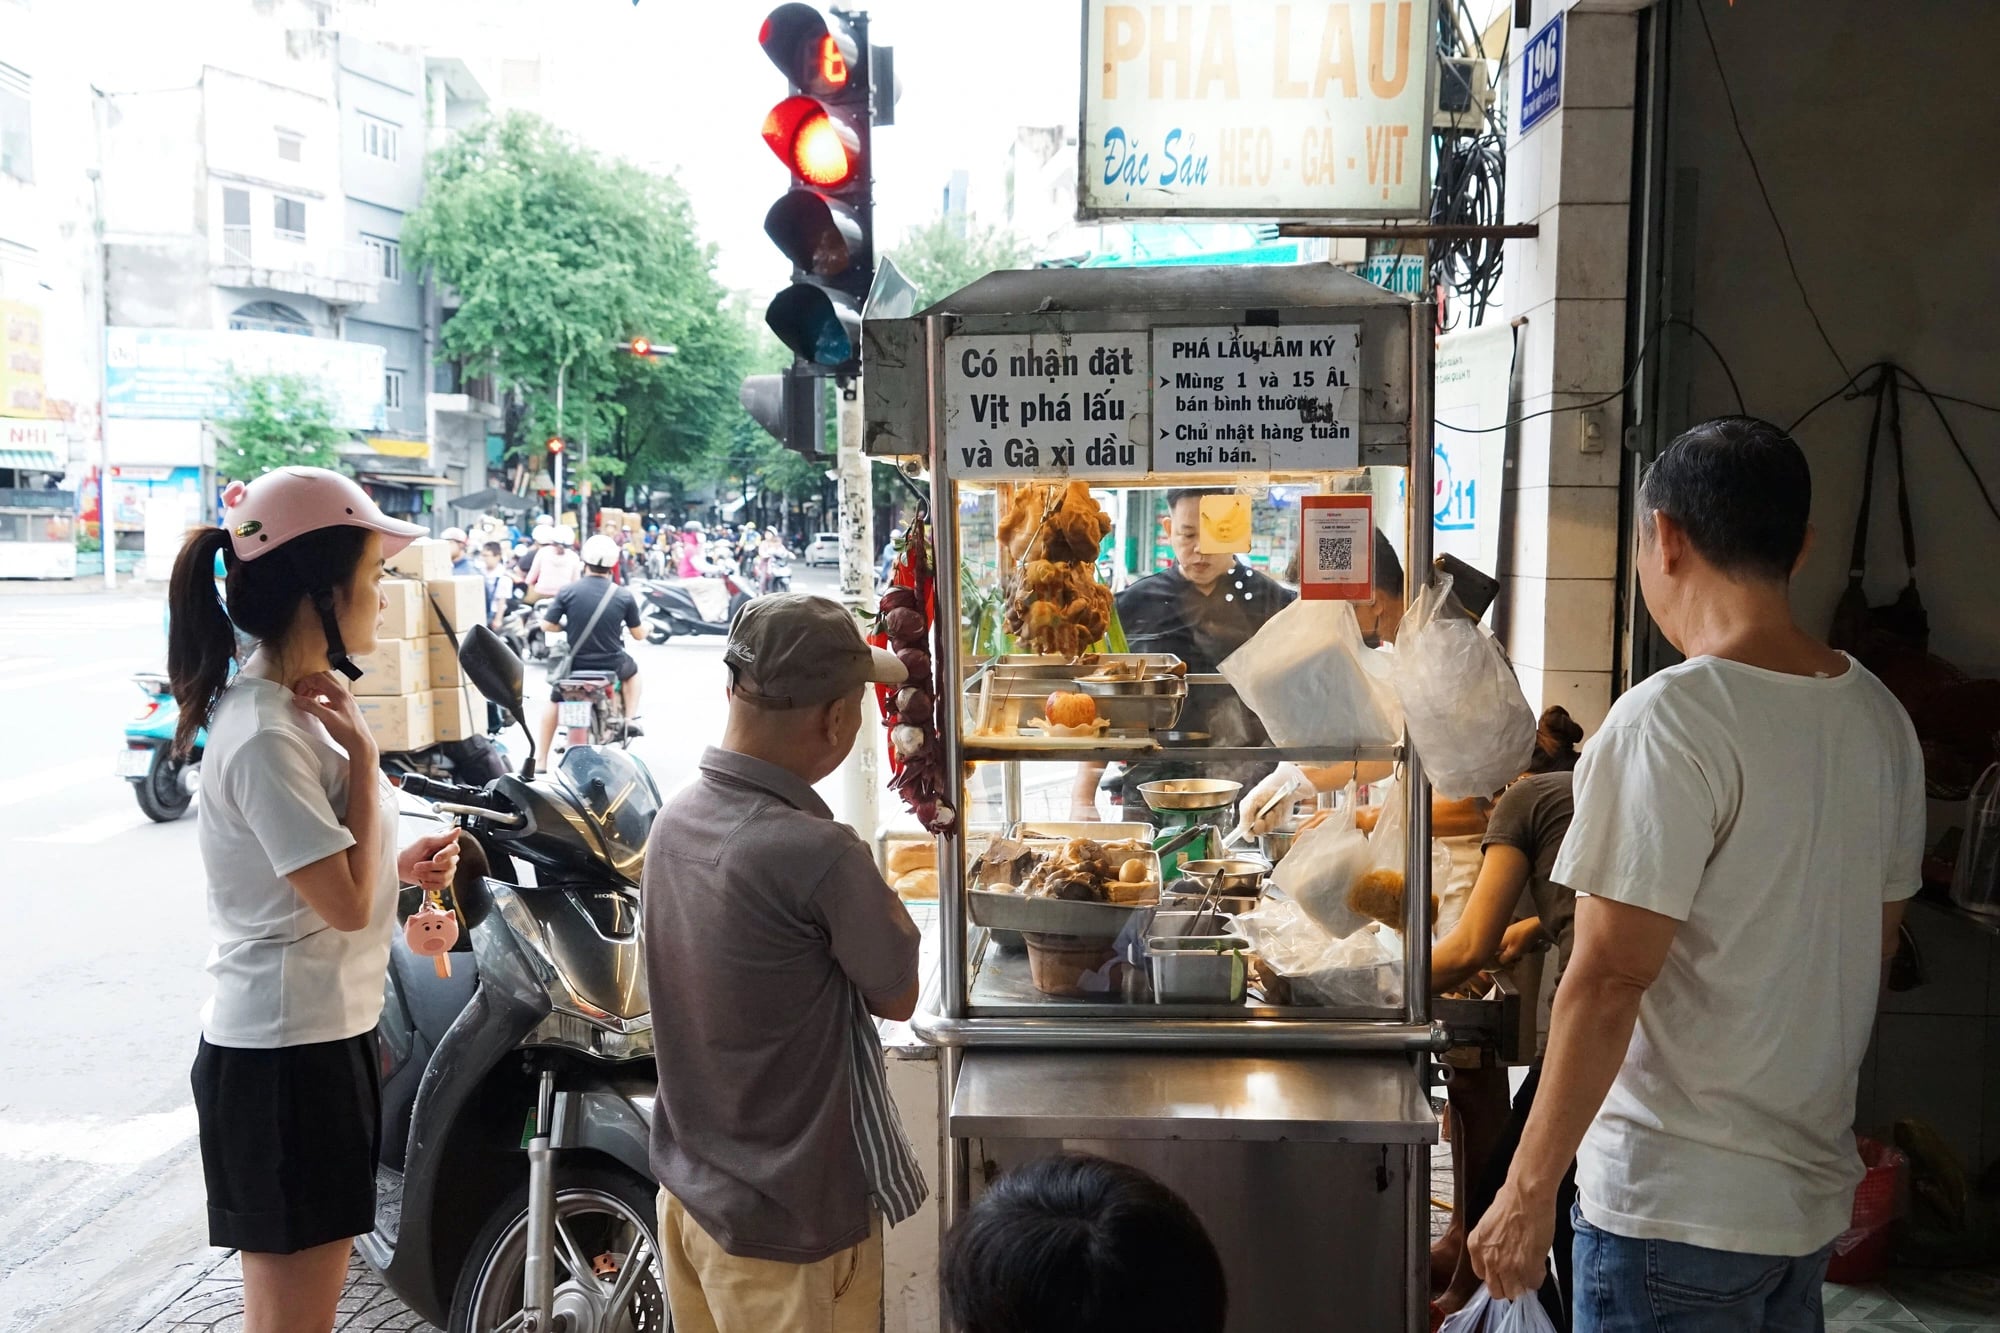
770 941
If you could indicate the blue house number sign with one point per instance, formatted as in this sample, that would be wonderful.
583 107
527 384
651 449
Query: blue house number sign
1542 74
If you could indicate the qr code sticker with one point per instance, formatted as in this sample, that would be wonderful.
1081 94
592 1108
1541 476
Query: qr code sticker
1336 554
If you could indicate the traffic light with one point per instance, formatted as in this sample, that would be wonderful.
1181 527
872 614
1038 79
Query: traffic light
555 445
824 222
645 347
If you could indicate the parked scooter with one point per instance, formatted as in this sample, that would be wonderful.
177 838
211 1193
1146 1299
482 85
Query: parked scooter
690 606
164 785
542 1020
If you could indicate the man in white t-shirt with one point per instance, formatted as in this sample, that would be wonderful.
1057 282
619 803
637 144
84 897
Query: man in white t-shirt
1748 824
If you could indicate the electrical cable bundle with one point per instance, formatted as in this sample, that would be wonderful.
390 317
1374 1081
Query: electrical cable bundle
1470 187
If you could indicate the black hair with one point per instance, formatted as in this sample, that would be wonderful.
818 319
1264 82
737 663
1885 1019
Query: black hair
1180 493
493 548
264 596
1557 735
1388 567
1741 490
1078 1244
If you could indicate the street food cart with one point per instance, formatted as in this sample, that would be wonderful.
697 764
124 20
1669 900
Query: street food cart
1299 1132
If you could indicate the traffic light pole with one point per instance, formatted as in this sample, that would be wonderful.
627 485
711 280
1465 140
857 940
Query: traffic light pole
861 772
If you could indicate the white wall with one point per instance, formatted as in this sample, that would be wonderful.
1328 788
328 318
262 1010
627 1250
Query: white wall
1874 133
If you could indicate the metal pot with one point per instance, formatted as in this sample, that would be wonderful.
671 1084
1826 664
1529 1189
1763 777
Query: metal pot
1125 688
1238 876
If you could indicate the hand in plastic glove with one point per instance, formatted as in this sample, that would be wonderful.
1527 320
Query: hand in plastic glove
1285 785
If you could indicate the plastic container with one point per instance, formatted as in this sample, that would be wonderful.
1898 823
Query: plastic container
1975 879
1861 1252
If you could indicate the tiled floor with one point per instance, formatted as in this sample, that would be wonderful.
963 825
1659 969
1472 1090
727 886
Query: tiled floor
214 1304
1913 1301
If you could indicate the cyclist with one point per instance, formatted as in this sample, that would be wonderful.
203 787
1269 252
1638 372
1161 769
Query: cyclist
573 609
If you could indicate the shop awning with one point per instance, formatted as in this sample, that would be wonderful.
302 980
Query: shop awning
395 478
31 460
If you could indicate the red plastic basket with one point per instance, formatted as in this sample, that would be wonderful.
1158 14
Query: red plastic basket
1861 1252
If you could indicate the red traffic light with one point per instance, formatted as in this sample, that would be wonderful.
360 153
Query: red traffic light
818 147
555 444
641 347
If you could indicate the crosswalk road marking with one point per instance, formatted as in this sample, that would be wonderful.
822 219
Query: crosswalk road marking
46 781
95 1140
93 831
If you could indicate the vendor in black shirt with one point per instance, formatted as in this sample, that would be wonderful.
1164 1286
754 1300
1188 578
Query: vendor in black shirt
1201 610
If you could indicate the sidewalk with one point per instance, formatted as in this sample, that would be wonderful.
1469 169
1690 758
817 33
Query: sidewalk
214 1301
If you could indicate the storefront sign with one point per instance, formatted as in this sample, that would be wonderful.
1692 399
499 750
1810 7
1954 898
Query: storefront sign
1256 399
183 374
21 391
1542 74
1337 548
1045 405
1256 108
1471 375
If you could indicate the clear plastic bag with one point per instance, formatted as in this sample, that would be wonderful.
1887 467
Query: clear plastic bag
1462 705
1484 1314
1388 844
1322 866
1365 969
1311 680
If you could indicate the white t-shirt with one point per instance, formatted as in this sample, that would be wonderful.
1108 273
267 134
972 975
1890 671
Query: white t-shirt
1772 815
273 791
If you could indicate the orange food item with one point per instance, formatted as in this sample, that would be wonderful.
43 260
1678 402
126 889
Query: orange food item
1067 708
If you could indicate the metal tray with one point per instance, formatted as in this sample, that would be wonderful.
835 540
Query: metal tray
999 909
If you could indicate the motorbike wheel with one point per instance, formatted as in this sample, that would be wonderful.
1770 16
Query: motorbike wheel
600 1214
162 793
658 634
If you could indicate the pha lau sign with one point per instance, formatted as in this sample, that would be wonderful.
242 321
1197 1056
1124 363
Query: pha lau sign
1045 405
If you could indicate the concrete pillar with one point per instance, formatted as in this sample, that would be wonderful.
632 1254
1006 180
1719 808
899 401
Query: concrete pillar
1572 174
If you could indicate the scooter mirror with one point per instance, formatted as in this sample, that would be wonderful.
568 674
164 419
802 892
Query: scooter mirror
492 667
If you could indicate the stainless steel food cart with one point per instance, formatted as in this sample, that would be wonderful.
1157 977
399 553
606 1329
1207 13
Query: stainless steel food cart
1300 1135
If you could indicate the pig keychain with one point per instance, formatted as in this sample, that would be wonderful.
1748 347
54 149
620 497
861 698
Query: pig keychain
432 930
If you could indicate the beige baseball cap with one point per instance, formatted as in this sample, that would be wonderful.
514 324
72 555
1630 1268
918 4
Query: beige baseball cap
794 650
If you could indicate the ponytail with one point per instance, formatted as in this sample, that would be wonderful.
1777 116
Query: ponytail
201 642
1556 737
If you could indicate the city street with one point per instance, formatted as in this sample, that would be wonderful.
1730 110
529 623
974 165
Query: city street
101 1221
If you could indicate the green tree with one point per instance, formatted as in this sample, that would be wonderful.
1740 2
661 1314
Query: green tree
275 421
948 253
556 254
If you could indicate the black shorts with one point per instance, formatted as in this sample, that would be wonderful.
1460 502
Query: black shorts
289 1141
626 669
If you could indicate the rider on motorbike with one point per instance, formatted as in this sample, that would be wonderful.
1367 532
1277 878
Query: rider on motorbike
572 609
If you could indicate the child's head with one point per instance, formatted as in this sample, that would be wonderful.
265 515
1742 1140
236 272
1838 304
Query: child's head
1079 1244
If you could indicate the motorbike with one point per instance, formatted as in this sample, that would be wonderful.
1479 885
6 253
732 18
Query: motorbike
690 606
164 785
776 573
521 628
592 709
518 1081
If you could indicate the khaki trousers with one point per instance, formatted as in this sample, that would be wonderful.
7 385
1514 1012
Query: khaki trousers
711 1290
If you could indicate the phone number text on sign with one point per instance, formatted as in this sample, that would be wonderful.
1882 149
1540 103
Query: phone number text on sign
1045 405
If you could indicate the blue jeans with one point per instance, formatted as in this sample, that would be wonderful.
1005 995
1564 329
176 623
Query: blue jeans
1662 1286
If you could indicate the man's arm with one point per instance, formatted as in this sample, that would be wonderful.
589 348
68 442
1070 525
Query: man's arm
1618 952
899 1009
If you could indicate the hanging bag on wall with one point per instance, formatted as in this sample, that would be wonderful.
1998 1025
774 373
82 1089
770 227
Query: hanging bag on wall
1873 633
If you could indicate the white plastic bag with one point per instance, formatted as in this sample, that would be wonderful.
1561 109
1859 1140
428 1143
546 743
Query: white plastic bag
1311 680
1387 845
1364 970
1463 707
1484 1314
1321 867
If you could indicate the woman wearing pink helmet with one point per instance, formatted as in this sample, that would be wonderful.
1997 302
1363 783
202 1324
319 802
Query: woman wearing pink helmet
297 842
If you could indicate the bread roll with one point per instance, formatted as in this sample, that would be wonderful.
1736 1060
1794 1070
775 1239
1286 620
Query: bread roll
907 856
917 884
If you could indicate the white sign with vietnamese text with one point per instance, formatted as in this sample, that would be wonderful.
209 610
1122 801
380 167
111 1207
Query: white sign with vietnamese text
1045 405
1256 108
1230 398
1470 379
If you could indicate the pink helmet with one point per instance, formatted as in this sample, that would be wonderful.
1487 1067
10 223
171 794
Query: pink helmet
264 514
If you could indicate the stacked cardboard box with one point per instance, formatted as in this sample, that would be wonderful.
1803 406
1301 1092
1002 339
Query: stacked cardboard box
412 692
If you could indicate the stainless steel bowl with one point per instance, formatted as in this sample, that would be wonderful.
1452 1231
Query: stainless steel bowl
1237 875
1190 793
1118 689
1275 844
